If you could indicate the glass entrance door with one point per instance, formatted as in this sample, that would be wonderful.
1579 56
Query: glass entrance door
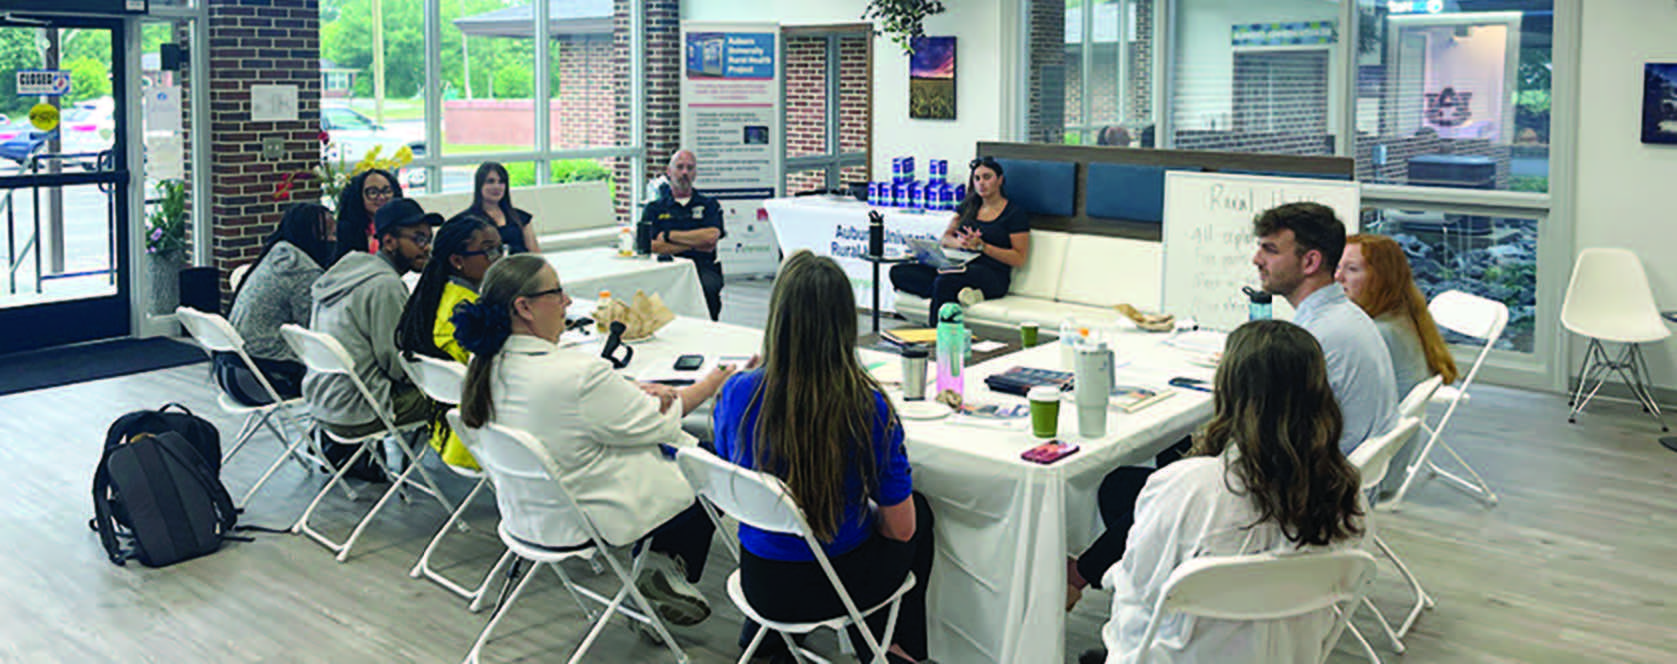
63 182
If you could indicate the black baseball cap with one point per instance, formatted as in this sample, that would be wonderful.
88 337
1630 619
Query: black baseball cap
401 212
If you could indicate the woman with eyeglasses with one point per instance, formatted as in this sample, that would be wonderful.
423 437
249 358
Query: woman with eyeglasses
357 204
492 200
461 252
604 432
276 292
986 223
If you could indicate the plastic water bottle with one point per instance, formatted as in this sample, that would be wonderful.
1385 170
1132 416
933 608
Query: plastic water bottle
1068 343
1261 306
951 348
625 240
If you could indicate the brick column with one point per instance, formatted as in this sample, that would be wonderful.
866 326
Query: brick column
663 92
1046 122
257 42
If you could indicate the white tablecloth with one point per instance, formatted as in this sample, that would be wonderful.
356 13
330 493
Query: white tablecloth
586 272
838 227
1004 526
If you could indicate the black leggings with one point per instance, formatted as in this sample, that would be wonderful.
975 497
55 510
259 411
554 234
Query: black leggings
237 380
800 591
927 282
1117 498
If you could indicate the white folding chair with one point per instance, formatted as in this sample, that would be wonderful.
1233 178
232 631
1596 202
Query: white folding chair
215 335
1609 301
762 501
1265 586
1415 403
532 500
1476 317
441 380
1372 459
237 276
324 354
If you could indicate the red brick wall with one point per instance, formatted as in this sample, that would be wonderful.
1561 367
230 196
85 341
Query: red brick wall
265 42
663 93
584 106
806 105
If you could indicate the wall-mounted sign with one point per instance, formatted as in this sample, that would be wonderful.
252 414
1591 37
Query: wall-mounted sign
1299 33
42 82
1415 6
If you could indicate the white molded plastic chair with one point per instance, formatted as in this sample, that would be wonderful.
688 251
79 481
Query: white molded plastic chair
529 494
1372 459
1609 301
441 380
324 354
1476 317
215 335
1265 586
762 501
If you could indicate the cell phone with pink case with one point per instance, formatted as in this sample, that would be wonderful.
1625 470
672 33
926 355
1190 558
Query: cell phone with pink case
1050 452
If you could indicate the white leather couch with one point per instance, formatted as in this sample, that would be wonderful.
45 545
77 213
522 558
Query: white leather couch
566 216
1066 275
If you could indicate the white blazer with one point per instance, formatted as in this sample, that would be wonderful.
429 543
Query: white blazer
604 434
1188 510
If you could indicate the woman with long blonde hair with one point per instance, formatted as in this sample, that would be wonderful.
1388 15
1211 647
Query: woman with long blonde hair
1375 274
815 418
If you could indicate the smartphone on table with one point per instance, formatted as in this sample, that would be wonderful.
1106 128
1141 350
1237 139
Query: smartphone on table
689 362
1049 452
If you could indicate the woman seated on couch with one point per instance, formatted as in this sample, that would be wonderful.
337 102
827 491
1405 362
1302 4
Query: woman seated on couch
987 223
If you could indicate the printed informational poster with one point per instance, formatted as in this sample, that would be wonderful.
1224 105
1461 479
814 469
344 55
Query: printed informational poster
730 119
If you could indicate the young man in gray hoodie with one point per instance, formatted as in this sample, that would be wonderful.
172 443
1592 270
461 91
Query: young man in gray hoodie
359 302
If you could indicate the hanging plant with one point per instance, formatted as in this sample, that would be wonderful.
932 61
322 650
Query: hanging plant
902 19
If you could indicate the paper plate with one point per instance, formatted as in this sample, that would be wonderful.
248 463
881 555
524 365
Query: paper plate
1208 360
637 340
922 410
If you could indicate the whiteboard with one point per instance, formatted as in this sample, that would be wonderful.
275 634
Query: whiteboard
1208 243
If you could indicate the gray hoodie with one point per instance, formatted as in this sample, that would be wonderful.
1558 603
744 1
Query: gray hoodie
275 292
358 302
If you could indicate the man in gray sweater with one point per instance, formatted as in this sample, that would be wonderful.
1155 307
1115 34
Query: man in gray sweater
359 302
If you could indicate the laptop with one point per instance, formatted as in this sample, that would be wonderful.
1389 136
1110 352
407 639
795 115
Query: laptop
929 252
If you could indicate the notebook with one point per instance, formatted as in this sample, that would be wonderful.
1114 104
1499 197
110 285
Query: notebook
1131 398
929 252
1019 380
910 336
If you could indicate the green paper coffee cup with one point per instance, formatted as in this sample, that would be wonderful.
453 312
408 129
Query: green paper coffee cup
1028 334
1045 411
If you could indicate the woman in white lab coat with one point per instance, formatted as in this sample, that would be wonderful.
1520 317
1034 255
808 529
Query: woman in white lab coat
1266 475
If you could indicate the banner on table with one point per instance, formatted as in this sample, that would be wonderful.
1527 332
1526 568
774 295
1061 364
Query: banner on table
839 229
730 119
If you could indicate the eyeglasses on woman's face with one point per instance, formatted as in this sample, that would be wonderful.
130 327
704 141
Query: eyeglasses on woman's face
492 253
378 192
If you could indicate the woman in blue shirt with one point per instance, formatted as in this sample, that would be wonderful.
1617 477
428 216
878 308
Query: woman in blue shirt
815 418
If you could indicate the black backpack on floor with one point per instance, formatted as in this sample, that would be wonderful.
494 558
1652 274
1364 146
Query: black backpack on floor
156 500
196 430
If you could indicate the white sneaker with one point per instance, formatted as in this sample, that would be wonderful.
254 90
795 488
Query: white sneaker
970 296
663 581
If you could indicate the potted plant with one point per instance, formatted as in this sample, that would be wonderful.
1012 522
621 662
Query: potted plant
166 245
902 19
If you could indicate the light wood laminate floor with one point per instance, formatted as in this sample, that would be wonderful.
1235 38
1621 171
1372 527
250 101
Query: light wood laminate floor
1578 563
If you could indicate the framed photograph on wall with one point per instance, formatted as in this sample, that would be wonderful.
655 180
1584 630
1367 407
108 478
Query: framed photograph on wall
1659 103
931 79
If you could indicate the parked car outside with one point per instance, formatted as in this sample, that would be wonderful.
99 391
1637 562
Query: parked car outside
354 134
